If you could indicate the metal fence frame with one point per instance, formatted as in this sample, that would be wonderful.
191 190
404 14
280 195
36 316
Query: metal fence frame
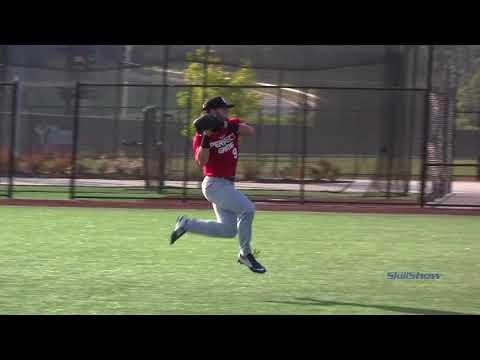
281 91
161 108
422 201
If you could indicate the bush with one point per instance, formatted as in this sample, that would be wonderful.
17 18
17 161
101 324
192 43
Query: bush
138 172
290 172
37 163
86 166
326 170
22 165
62 165
4 159
249 171
126 166
43 164
47 166
196 173
102 166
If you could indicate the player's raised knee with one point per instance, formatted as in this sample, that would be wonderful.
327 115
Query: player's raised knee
230 231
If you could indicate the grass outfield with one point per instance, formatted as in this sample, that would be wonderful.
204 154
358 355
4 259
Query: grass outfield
118 261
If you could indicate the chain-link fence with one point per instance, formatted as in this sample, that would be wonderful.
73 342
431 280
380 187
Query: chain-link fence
383 156
323 144
454 133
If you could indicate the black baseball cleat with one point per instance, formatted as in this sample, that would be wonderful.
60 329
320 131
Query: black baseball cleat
180 229
250 261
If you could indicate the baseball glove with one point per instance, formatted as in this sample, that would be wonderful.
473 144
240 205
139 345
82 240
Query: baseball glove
208 122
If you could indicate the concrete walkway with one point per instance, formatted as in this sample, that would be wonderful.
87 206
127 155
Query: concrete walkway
347 185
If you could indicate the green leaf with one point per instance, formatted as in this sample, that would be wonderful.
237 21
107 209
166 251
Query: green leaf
247 102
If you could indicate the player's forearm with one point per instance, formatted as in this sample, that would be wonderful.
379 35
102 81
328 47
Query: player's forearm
246 130
203 152
202 156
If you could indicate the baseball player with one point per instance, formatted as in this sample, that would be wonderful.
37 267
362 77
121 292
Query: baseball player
215 148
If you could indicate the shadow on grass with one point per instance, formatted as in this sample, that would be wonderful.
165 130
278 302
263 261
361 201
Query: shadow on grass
407 310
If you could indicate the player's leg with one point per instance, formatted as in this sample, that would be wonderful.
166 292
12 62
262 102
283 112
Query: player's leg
226 197
225 226
245 211
230 205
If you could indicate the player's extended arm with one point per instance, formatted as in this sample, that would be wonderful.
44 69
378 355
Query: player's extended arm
203 152
246 130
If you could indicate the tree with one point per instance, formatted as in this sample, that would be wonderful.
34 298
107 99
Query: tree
468 99
247 101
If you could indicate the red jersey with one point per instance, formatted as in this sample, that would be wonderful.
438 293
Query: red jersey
223 158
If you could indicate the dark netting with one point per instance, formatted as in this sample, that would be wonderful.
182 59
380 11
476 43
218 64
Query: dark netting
335 141
279 119
317 65
47 74
118 142
454 127
300 65
385 158
45 136
364 143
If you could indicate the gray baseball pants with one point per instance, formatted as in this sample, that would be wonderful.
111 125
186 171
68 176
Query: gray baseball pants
233 209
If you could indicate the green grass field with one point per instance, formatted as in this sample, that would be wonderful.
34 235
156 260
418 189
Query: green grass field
118 261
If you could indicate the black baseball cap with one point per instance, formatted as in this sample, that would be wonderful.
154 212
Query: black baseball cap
215 103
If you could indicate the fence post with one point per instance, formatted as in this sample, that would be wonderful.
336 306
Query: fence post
147 145
205 72
277 125
392 146
187 144
426 125
163 109
304 147
75 134
478 147
13 136
204 85
412 107
258 141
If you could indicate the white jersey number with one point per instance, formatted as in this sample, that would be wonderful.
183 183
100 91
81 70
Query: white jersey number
235 153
